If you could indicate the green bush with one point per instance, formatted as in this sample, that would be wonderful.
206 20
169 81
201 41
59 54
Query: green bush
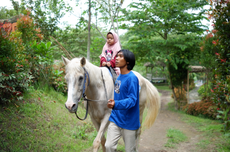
58 77
14 69
42 62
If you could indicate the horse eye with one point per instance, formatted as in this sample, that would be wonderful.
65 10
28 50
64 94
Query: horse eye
80 78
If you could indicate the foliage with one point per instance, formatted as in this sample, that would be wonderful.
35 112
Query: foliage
43 60
46 14
178 74
221 89
74 40
38 53
7 13
24 57
158 17
58 77
25 24
205 93
14 69
167 31
205 107
207 55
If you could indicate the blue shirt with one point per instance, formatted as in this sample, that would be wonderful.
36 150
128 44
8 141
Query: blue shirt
126 113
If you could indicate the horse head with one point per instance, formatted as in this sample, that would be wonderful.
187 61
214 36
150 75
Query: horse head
76 79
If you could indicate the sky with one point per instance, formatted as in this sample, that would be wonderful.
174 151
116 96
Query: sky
72 18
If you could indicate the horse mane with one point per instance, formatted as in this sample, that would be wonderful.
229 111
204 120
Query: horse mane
75 65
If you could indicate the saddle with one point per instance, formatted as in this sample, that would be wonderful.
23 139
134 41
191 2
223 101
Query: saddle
113 74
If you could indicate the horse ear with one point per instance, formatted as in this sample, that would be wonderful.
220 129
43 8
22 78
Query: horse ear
65 60
83 61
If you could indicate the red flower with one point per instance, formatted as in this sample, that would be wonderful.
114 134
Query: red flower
212 90
218 108
222 60
217 53
209 35
202 48
214 42
214 31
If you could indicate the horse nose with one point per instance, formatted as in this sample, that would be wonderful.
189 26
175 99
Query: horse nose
70 106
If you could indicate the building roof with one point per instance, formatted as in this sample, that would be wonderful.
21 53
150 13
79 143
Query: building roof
196 69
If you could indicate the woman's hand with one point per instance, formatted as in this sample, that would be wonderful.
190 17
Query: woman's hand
108 64
110 103
104 64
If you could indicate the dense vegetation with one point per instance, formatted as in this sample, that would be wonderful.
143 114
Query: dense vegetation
30 56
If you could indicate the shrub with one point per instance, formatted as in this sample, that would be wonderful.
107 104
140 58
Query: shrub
205 107
14 70
221 89
58 77
42 62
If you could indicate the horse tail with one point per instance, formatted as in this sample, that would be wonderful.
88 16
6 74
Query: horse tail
153 104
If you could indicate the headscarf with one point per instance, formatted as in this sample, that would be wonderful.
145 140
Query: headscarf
115 47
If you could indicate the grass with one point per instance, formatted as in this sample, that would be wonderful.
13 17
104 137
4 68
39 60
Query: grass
175 137
41 123
164 87
211 131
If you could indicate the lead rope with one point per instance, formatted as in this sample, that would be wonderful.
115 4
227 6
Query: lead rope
84 96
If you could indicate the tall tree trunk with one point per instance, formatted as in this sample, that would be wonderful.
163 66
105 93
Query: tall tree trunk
89 40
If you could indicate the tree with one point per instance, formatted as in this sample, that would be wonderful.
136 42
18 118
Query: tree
7 13
89 27
46 14
151 18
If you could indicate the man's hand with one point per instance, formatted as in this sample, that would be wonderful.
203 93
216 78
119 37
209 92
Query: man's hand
104 64
110 103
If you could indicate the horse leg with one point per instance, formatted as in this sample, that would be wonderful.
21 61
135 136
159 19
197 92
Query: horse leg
100 135
103 140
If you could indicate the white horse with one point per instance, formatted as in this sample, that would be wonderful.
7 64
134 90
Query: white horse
82 77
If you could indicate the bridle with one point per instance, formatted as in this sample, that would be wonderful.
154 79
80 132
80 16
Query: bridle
86 74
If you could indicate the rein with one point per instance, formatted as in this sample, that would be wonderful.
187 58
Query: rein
86 74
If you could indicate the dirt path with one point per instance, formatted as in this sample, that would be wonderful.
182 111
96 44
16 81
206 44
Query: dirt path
154 139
